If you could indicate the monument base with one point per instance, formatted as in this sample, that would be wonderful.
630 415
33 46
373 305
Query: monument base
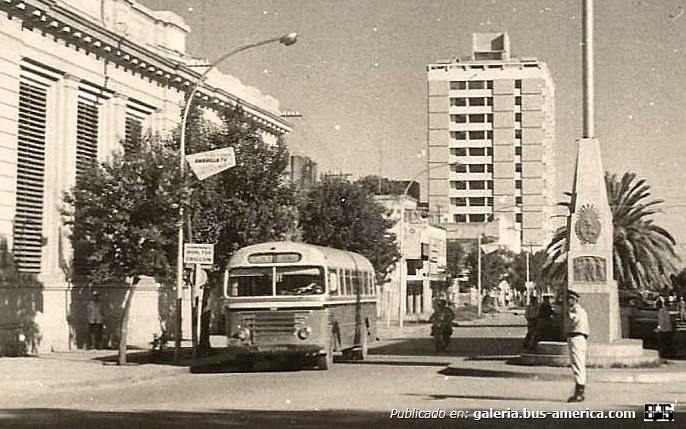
624 353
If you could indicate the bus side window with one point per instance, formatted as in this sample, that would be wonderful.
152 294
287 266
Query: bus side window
358 283
334 287
348 283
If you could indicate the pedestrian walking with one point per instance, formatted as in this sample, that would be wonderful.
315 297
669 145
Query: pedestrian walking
95 317
682 308
544 319
577 336
664 329
531 315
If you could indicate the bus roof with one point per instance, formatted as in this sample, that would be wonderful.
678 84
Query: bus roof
311 255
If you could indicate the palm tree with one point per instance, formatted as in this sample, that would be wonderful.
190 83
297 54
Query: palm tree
643 253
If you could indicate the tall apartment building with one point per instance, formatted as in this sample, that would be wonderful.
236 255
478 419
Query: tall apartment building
491 131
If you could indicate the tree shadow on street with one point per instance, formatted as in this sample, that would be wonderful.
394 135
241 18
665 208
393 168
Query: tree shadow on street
477 348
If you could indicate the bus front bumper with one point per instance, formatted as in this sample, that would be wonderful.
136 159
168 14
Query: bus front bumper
307 350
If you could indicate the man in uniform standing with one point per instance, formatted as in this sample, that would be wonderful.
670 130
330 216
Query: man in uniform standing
576 340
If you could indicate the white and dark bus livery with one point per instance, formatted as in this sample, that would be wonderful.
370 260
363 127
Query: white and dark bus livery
298 299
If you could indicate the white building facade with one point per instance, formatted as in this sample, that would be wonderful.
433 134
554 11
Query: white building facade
77 78
422 268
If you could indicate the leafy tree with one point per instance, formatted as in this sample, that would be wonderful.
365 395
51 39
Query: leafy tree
679 282
344 215
125 211
124 215
518 273
249 203
377 185
455 255
643 253
495 266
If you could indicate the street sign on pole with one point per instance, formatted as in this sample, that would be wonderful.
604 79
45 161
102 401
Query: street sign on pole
200 254
206 164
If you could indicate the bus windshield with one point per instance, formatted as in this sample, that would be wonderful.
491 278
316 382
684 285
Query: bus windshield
299 281
250 282
290 281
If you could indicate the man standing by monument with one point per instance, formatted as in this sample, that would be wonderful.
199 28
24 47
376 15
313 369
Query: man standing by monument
576 340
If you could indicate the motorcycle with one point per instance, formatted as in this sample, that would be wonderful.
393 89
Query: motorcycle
441 333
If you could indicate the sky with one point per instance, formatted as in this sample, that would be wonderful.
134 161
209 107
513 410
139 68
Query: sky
358 76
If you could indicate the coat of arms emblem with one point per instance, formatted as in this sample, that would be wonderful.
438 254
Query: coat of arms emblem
588 224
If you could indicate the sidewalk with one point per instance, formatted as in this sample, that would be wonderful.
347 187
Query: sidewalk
75 370
474 352
510 317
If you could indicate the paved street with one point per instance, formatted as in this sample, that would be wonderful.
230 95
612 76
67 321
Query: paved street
402 372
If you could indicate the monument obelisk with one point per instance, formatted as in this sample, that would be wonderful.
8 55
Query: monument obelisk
589 226
589 247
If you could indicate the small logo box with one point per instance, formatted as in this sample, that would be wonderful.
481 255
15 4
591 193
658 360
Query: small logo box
659 413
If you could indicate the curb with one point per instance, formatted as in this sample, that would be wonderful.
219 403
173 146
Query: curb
595 375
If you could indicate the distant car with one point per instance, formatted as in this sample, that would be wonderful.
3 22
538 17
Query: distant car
629 298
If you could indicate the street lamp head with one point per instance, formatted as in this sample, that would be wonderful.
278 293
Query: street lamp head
289 39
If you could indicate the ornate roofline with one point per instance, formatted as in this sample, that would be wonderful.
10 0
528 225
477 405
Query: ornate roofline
81 33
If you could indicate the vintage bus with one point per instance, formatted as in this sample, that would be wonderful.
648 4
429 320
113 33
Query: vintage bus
299 300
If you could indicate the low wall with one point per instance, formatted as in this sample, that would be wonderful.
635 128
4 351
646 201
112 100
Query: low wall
151 312
52 316
20 302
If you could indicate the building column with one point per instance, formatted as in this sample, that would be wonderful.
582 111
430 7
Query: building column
60 169
60 176
115 126
167 117
427 307
10 57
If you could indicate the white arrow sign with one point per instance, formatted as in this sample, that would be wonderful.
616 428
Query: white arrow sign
205 164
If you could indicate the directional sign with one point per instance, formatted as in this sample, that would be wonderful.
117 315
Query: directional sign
194 253
205 164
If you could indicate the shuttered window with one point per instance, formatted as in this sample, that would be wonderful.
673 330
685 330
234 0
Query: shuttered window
137 116
133 132
86 132
32 131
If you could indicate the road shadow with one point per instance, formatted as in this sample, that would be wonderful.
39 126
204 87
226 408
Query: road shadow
442 396
44 418
214 361
477 348
490 325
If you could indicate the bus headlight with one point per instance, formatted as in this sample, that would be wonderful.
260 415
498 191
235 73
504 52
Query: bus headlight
243 334
304 332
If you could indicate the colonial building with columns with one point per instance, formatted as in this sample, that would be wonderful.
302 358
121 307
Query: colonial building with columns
78 78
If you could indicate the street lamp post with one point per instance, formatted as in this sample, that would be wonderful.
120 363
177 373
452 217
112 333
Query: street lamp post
482 231
287 40
478 275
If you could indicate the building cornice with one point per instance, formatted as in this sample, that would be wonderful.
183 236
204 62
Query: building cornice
84 34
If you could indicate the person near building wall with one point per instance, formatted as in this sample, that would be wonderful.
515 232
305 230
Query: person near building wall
95 317
664 329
